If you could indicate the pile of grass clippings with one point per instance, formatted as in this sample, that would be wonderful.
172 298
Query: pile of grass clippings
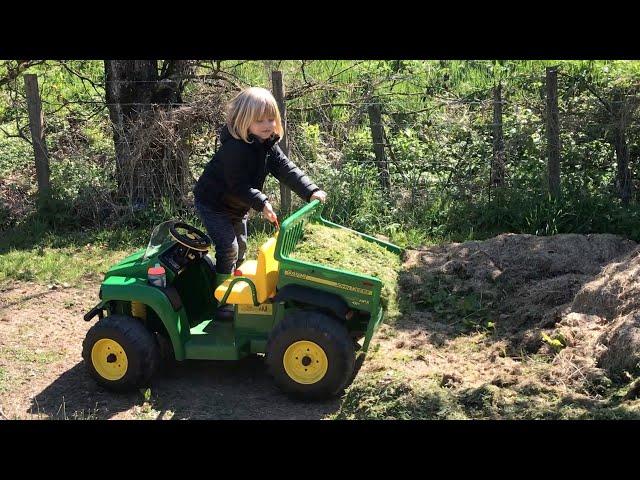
345 250
515 326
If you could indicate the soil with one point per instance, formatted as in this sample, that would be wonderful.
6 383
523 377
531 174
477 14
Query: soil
42 374
515 313
557 313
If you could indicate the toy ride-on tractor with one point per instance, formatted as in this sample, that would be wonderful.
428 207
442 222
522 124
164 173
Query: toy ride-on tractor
162 302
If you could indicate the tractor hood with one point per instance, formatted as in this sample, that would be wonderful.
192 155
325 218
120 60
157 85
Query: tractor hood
132 266
136 264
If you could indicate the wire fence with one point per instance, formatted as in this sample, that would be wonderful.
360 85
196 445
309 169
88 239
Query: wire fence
434 145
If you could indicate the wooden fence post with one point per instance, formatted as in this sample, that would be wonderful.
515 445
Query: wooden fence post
498 167
36 125
278 92
553 132
377 134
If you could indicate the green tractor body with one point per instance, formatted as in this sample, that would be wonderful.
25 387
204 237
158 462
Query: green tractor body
275 294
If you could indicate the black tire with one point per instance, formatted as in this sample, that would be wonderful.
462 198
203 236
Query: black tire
167 362
328 334
138 344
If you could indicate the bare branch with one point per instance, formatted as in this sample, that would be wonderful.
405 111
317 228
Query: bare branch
606 104
20 134
15 71
83 78
315 107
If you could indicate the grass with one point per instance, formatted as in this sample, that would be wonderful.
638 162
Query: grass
25 355
62 414
28 361
380 396
345 250
438 294
32 253
3 379
61 265
147 409
385 396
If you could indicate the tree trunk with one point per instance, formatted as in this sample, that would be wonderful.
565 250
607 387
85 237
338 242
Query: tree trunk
497 169
148 165
36 125
553 133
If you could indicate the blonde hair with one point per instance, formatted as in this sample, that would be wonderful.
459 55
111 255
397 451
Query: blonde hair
250 105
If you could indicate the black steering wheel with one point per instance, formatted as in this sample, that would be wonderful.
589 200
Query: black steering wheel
194 238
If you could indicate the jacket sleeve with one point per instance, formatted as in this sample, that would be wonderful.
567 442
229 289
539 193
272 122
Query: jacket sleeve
288 173
235 168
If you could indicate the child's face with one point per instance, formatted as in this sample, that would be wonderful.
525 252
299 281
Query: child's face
263 128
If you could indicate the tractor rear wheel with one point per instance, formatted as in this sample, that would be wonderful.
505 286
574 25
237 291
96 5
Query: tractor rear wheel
120 353
310 355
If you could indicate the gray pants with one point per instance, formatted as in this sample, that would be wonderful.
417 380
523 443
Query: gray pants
229 235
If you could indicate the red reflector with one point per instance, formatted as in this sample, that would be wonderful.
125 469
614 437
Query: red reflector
156 270
237 273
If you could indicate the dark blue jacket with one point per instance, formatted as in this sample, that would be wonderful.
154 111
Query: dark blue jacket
232 181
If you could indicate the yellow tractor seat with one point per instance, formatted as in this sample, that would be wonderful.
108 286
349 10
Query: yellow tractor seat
263 273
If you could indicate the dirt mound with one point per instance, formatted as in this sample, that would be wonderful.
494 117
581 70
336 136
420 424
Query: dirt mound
615 292
541 301
621 343
518 276
572 298
517 258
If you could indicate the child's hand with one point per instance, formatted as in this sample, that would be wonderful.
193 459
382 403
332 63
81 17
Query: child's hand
319 195
268 213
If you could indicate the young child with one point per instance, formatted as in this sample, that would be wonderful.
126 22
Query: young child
232 181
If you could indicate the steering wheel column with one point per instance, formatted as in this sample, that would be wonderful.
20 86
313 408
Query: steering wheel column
191 238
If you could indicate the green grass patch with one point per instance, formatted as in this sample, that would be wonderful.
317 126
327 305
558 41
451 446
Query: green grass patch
33 253
253 243
468 309
379 397
40 234
344 250
3 380
385 396
25 355
62 265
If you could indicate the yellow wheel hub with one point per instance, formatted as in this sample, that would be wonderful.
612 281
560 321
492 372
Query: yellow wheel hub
109 359
305 362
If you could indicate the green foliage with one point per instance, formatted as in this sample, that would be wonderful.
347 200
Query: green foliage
341 249
392 397
557 342
17 156
309 142
536 213
438 122
3 379
470 309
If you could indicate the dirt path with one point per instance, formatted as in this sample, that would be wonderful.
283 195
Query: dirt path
42 374
516 326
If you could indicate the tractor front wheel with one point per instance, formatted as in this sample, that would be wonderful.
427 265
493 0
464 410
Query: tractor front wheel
310 355
120 353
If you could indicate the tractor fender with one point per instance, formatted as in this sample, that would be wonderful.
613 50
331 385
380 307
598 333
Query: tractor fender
165 302
317 298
